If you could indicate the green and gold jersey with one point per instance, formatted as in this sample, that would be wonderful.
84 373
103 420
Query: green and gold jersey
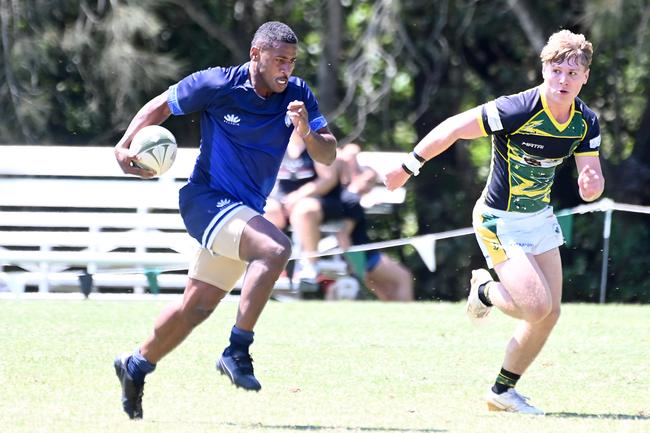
528 144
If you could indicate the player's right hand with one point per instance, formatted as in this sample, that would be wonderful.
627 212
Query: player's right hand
396 178
127 163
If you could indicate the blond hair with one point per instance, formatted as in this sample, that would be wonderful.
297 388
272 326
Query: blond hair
566 45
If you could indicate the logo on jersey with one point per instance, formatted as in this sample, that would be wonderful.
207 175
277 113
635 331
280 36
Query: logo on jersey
223 202
231 119
532 127
594 143
533 145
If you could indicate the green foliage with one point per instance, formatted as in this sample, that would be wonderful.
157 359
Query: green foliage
628 265
79 75
404 136
628 277
358 18
480 152
619 79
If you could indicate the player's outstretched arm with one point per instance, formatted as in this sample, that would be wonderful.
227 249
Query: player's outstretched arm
591 182
465 125
153 112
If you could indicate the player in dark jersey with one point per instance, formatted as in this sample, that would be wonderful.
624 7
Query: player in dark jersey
248 112
532 132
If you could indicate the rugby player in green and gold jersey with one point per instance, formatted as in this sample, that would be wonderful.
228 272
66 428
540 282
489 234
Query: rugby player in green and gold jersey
532 133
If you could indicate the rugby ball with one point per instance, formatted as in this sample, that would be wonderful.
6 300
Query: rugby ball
155 147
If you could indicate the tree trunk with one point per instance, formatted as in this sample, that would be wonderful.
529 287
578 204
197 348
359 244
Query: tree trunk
328 65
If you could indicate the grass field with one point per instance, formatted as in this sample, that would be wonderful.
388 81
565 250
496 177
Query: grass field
324 367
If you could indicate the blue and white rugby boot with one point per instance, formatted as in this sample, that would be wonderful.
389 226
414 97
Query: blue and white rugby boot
238 366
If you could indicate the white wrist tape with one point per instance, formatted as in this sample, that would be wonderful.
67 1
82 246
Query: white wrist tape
412 164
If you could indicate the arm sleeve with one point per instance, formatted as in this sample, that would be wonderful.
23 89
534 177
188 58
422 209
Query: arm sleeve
590 144
504 115
316 119
196 91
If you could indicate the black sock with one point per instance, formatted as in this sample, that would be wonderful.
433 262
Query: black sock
505 381
483 294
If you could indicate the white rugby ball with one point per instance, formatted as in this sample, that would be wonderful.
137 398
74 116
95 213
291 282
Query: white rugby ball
155 147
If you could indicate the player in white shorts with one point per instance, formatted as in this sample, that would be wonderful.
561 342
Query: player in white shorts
503 234
532 133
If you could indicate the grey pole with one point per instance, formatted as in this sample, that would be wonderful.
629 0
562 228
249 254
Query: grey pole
607 227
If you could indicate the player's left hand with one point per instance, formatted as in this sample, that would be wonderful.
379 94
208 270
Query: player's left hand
590 184
299 116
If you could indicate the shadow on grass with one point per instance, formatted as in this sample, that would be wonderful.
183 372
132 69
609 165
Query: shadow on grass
335 428
638 417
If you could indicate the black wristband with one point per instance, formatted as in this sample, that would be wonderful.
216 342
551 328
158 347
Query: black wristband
406 169
419 158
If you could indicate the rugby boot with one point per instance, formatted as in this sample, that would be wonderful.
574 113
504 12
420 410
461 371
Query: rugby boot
476 310
238 366
511 401
131 392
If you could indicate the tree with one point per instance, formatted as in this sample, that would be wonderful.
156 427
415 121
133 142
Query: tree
76 72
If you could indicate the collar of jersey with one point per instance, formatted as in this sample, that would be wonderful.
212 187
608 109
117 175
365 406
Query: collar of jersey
248 84
560 126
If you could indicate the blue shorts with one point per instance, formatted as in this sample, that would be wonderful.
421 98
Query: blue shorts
205 211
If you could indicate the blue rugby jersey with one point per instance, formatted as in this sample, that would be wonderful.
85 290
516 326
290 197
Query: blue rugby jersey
243 136
528 144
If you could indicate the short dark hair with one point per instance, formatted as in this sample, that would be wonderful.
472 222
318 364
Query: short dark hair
272 32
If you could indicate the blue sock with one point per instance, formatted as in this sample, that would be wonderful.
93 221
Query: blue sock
240 340
138 367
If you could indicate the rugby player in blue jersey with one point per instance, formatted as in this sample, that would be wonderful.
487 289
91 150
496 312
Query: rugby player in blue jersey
532 133
248 112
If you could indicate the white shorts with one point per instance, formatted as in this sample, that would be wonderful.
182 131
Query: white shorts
221 265
502 235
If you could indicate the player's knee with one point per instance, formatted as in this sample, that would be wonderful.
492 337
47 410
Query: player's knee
552 318
307 208
199 313
201 302
405 278
192 314
284 251
278 253
539 311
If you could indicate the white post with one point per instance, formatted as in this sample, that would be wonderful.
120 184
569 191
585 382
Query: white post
607 227
93 247
140 248
44 271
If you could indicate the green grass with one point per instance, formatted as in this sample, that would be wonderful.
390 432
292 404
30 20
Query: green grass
324 367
